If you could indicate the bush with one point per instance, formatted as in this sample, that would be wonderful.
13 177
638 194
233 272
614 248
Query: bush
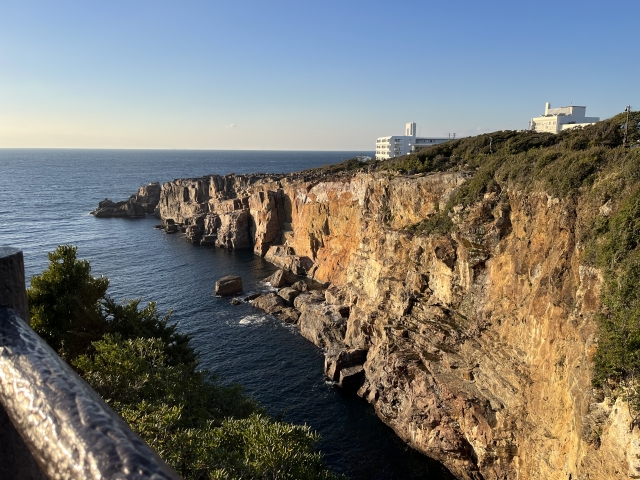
149 374
65 303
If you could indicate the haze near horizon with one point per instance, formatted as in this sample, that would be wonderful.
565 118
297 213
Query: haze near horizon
300 75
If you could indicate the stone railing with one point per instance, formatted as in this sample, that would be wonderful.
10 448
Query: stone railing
52 423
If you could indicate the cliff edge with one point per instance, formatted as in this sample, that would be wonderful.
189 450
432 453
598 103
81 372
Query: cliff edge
463 300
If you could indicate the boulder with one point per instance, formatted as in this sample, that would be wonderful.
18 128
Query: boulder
229 285
270 303
275 305
323 325
289 315
288 294
300 286
314 296
280 279
283 257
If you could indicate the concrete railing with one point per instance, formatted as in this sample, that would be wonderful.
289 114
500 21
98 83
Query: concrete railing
52 423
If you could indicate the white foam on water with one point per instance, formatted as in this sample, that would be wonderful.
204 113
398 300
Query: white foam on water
254 319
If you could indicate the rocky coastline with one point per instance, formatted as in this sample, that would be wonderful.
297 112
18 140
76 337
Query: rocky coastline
141 204
474 345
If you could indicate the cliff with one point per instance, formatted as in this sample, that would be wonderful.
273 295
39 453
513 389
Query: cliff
461 303
478 343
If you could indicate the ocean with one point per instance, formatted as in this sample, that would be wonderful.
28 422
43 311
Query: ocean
45 199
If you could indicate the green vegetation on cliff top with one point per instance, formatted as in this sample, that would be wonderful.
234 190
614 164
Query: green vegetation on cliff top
587 167
148 373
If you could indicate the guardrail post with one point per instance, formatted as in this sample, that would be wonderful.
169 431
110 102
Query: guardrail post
16 460
13 293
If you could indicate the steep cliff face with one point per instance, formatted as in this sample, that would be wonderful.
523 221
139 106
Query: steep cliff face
475 345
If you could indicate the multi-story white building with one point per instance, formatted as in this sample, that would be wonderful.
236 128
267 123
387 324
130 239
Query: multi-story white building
555 120
398 145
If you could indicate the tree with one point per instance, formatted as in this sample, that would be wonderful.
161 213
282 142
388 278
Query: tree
149 373
65 303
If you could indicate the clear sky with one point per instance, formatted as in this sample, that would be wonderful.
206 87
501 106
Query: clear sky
302 75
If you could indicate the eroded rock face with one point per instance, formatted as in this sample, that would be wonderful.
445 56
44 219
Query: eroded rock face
477 344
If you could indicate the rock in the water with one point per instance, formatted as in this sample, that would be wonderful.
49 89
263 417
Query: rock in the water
137 206
288 294
229 285
270 303
236 301
275 305
280 279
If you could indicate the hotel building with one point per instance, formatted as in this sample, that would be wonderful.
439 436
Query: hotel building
555 120
398 145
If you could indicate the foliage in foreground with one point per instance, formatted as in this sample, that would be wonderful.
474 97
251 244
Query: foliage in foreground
149 375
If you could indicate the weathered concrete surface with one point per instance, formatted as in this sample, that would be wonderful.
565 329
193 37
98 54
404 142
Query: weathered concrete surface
12 281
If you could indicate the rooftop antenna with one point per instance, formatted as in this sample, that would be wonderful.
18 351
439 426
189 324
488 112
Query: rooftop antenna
626 126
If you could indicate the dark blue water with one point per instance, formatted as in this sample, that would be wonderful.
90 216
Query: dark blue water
45 200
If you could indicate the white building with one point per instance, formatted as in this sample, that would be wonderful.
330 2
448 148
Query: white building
555 120
398 145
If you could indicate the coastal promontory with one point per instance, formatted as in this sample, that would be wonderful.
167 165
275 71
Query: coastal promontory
460 291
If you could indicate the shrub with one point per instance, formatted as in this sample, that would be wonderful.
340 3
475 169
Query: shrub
149 374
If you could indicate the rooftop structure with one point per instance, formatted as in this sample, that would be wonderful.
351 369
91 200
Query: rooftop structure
555 120
398 145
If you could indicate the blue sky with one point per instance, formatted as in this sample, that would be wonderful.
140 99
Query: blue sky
330 75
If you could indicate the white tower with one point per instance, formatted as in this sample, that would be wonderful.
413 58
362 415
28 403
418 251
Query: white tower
410 130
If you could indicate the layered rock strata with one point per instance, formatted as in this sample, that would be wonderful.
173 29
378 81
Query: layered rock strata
474 346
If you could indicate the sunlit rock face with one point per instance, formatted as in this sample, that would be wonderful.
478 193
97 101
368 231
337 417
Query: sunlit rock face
476 345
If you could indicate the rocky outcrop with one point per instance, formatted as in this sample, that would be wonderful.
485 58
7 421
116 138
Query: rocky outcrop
228 285
474 346
137 206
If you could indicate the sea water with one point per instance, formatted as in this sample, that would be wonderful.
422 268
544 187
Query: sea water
45 199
